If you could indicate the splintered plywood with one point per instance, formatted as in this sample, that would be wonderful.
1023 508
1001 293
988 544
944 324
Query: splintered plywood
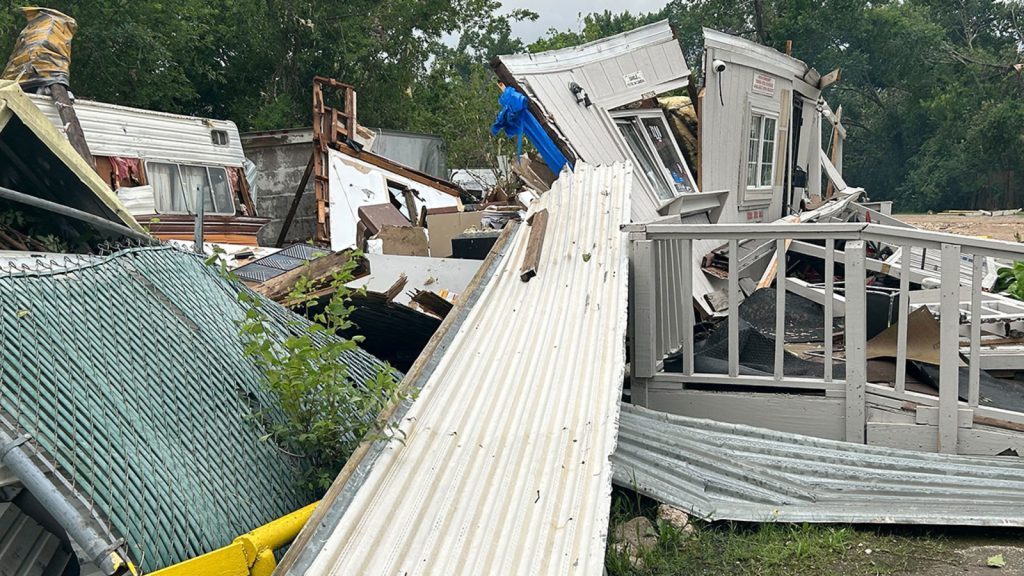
504 463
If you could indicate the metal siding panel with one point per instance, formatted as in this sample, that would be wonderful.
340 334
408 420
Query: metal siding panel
112 130
725 471
26 549
503 467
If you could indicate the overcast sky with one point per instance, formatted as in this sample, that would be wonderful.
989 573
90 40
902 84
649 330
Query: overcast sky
565 14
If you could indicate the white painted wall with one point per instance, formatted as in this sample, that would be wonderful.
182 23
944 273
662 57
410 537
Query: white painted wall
354 183
730 96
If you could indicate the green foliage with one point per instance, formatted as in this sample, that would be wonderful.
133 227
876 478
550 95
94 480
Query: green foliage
765 549
325 414
931 92
1011 280
596 25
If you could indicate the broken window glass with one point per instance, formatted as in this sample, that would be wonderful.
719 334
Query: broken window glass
645 159
663 145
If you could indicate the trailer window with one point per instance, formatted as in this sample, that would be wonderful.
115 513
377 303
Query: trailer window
645 159
175 185
761 151
655 151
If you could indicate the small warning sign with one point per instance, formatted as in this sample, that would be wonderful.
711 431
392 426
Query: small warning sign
764 84
634 79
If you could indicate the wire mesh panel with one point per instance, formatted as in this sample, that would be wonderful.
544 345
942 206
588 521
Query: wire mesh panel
128 371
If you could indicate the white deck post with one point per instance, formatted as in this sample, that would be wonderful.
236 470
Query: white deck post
856 336
686 288
949 348
974 385
734 308
643 361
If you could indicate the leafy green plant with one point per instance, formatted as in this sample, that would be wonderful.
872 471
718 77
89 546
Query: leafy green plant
325 413
1011 280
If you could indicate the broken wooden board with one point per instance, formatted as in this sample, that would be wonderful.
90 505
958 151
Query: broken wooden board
538 227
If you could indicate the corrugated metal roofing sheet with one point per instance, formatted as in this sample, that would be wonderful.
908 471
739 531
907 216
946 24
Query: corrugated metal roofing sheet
26 548
128 370
653 62
734 472
504 465
273 265
112 130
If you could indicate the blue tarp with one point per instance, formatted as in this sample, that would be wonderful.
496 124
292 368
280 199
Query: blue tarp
516 120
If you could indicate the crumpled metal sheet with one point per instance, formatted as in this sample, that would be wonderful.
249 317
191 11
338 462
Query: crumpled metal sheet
503 462
725 471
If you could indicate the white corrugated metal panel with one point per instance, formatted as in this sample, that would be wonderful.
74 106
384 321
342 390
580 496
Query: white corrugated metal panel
614 71
26 548
112 130
725 471
504 467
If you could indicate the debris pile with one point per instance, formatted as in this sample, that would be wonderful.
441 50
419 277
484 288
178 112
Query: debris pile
794 351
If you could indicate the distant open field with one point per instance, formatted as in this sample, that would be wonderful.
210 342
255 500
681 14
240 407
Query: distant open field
995 227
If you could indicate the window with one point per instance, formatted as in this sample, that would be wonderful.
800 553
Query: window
655 151
175 185
761 151
219 137
643 156
668 153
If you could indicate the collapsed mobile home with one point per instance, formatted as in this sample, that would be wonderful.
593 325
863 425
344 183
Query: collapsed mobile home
786 349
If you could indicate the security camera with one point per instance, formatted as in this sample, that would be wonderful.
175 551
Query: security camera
718 65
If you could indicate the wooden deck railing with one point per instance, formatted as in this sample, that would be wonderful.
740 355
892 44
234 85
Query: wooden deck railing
663 314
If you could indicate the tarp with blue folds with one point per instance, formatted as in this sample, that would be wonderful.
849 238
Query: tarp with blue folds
516 120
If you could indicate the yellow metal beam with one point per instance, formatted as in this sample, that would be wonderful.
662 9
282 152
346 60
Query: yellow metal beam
251 554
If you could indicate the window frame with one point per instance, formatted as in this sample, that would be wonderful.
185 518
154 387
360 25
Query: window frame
219 134
758 186
636 117
186 200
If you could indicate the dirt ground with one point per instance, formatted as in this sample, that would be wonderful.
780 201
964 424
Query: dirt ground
995 227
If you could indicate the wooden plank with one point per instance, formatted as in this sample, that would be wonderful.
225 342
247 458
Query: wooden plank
856 339
949 348
829 304
780 308
813 164
816 294
808 415
72 127
279 287
795 382
901 337
830 79
686 289
834 145
996 422
287 224
534 245
643 361
930 415
974 366
734 313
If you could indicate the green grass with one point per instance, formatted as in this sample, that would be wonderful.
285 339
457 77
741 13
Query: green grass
768 549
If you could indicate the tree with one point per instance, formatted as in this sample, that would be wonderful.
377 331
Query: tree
596 25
